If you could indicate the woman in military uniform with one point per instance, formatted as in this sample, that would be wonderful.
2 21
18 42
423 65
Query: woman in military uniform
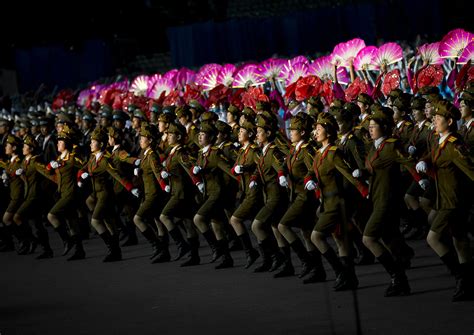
269 162
12 179
452 168
101 201
330 170
31 207
303 203
181 205
63 171
381 234
210 166
251 197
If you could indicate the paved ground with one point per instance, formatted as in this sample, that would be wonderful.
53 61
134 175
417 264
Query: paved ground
89 297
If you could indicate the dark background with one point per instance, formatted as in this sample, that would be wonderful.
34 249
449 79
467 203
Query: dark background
70 43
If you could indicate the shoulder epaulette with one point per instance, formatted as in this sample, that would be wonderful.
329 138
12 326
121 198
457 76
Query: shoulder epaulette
214 147
304 145
452 138
228 144
408 123
358 127
350 136
333 148
391 140
272 146
253 146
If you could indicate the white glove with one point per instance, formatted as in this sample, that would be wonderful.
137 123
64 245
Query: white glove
136 171
357 173
200 187
137 162
19 172
135 192
411 150
196 169
252 184
164 174
310 185
167 189
79 184
4 175
54 165
283 182
239 169
421 167
84 175
424 183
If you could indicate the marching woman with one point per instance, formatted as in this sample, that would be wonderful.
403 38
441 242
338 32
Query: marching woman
210 166
63 171
452 169
269 163
303 202
381 234
101 201
30 209
330 170
181 205
12 180
251 198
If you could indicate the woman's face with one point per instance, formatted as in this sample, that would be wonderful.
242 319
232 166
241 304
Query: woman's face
466 111
136 123
344 127
95 146
243 135
27 150
230 117
111 141
183 120
442 124
321 133
203 139
162 126
295 135
262 136
61 146
145 142
418 115
59 127
375 130
429 108
397 114
9 149
173 138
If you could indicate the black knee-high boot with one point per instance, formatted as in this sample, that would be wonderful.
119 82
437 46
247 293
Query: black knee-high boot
112 243
266 251
227 261
212 241
399 283
317 274
287 270
194 258
79 252
181 244
150 235
64 235
304 257
250 252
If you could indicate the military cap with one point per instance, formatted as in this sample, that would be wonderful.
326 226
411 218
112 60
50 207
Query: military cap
316 102
34 122
183 111
262 106
299 123
167 117
115 132
24 124
106 114
395 93
249 113
138 113
342 114
209 116
63 118
249 126
376 107
328 120
194 104
78 113
383 116
99 134
119 115
13 140
155 108
292 104
427 90
265 121
418 103
432 98
30 141
148 131
447 109
65 135
337 103
169 109
352 109
46 121
233 110
223 127
365 99
5 123
131 108
208 128
87 116
467 96
175 128
402 102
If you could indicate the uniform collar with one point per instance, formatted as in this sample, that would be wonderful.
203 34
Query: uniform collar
443 138
14 157
98 155
468 123
399 124
344 138
116 147
324 148
421 124
362 117
206 149
146 151
379 141
298 145
265 148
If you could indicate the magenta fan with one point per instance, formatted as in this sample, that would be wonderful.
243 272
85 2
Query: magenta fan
161 85
271 68
429 53
467 54
297 71
203 71
388 54
226 75
121 85
151 82
209 80
453 43
139 85
184 77
171 75
83 96
299 59
344 53
248 75
365 58
324 69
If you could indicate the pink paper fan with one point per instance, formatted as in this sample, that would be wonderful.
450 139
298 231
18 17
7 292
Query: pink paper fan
286 68
82 97
151 82
209 80
467 54
365 58
297 71
271 68
323 68
429 53
299 59
226 76
454 42
249 75
203 71
121 85
387 54
344 53
184 77
139 85
161 85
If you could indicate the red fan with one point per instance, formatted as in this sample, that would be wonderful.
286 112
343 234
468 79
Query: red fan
309 86
327 92
355 88
464 76
236 98
391 81
290 92
172 99
192 92
218 94
252 96
431 75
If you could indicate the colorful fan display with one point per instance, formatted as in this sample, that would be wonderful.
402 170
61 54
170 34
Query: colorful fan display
344 53
364 60
226 75
139 85
467 54
248 76
429 53
453 43
388 54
